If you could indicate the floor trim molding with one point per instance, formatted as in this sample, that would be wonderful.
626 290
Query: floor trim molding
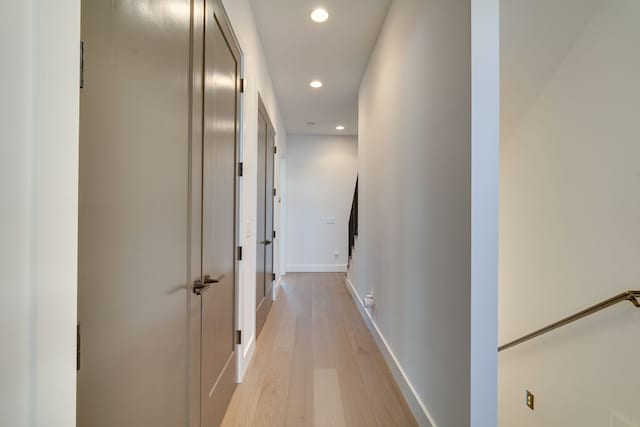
317 268
276 287
418 408
246 354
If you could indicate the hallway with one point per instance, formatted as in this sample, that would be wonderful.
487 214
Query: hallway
185 183
317 364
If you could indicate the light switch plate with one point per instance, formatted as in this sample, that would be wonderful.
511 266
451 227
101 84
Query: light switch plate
331 220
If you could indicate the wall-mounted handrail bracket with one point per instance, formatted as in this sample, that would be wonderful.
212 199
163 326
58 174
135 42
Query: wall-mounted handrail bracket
632 296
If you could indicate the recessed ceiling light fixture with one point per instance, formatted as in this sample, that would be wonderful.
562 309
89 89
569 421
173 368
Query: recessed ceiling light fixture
316 84
319 15
339 127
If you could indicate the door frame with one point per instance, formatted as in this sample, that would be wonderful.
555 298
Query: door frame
196 134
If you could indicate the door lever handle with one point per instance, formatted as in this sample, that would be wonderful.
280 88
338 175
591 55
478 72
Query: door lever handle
209 280
200 286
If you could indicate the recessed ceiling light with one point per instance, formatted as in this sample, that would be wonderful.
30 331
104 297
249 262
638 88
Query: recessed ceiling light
319 15
316 84
339 127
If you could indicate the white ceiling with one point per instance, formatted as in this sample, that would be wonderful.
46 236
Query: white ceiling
336 52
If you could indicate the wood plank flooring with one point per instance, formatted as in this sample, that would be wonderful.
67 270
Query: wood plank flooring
316 364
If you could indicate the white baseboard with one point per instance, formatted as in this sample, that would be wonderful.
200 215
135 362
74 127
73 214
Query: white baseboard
246 354
317 268
416 405
276 287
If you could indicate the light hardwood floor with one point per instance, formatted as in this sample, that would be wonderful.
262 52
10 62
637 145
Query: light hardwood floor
316 364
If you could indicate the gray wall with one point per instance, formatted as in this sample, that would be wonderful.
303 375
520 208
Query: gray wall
414 247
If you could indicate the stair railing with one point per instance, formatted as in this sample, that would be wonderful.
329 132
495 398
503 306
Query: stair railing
632 296
353 221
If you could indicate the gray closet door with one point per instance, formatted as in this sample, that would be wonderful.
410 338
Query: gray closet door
264 227
133 222
221 95
269 227
262 303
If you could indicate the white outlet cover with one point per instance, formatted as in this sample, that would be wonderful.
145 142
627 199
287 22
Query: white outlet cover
331 220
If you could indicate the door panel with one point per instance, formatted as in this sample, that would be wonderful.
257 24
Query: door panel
218 362
132 257
264 227
262 302
268 271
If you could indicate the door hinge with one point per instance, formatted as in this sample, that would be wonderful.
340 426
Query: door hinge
274 234
275 150
240 169
81 64
241 85
239 253
238 337
78 347
273 276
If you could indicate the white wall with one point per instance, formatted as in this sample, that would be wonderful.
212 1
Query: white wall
570 210
415 235
485 183
39 44
321 181
257 79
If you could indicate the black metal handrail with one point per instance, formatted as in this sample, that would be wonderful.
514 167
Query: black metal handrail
631 296
353 221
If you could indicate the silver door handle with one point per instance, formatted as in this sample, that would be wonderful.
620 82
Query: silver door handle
201 286
208 279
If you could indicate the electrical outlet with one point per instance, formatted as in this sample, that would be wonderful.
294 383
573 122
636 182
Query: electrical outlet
530 400
368 300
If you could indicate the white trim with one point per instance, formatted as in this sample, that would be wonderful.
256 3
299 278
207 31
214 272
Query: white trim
418 408
317 268
276 287
248 349
246 356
